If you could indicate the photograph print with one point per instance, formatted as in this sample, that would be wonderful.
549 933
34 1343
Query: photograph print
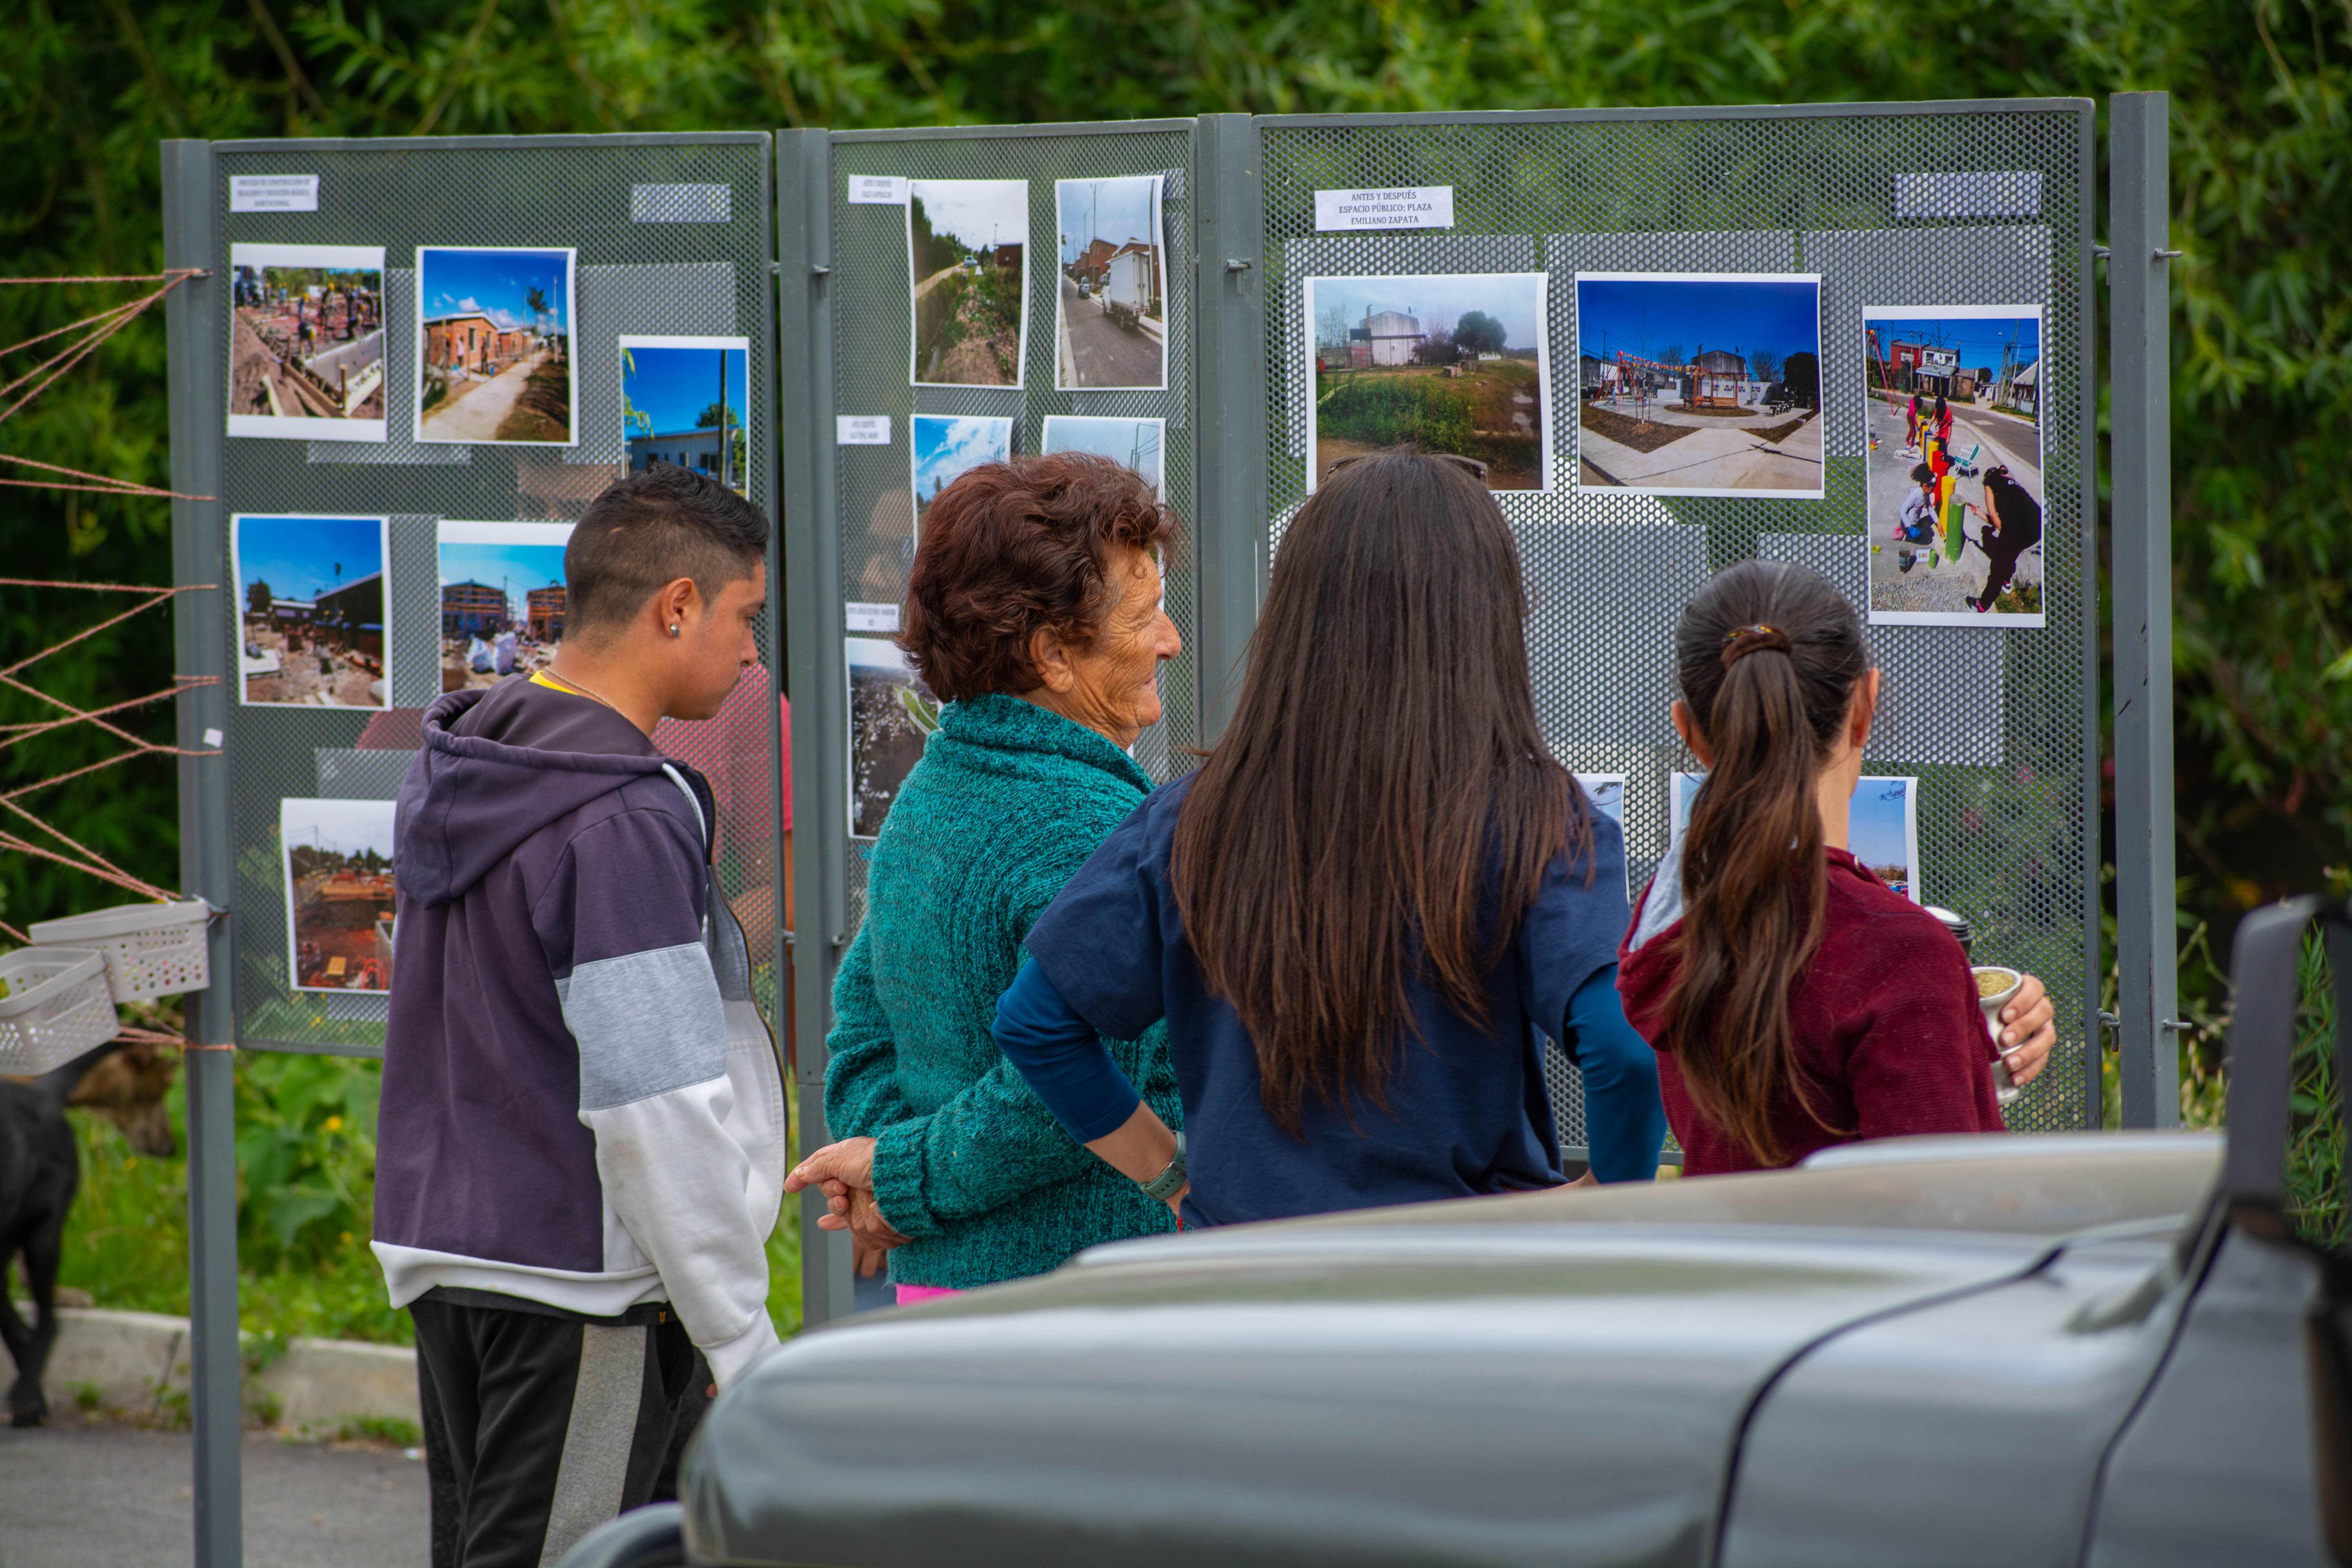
1606 793
311 610
1882 826
687 402
306 342
948 445
1137 442
1455 362
966 240
1111 325
502 599
335 856
1699 384
1954 460
494 344
891 715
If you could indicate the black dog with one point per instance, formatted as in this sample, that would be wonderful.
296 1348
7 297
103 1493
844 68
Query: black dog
40 1171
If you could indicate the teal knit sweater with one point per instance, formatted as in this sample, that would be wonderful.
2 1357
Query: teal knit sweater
1007 804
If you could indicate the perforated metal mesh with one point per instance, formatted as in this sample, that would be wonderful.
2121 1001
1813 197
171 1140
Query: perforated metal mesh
672 238
872 326
1990 721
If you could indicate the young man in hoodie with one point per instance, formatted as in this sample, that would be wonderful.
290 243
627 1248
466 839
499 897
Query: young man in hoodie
581 1148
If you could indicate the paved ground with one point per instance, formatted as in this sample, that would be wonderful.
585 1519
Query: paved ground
118 1497
1718 454
1980 439
482 407
1103 352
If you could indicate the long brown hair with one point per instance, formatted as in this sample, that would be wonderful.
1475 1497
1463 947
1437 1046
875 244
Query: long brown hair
1384 777
1767 657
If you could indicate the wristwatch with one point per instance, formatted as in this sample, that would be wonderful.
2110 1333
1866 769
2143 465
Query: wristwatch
1170 1182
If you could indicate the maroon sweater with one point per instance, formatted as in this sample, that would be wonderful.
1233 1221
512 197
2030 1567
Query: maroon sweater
1889 1037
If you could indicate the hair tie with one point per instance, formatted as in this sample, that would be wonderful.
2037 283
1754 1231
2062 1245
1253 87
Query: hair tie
1742 641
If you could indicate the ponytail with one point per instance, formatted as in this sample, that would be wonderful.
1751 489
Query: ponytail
1767 657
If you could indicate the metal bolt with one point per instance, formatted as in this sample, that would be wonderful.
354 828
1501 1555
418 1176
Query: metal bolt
1234 264
2166 255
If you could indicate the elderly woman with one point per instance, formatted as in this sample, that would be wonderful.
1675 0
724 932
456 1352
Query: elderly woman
1033 611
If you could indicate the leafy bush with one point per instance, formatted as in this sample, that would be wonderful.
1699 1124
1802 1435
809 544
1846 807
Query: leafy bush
1382 408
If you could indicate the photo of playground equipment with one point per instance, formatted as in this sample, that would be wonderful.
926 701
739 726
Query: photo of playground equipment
1453 362
337 858
306 342
1699 384
1954 461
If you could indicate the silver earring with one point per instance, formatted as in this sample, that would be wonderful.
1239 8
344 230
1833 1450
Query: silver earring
673 629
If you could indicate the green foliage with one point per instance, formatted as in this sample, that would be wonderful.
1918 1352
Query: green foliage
380 1429
1382 408
1479 332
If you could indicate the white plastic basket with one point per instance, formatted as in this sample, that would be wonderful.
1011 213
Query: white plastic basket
150 950
56 1007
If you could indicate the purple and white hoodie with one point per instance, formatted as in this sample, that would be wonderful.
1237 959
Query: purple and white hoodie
582 1107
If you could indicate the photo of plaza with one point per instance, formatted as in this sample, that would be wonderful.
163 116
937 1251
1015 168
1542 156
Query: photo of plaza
1699 384
502 599
1111 323
494 344
1954 460
966 240
311 610
685 402
306 342
1453 362
338 868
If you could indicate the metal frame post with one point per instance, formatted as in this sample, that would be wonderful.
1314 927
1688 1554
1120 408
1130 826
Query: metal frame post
819 683
2086 413
1229 405
2138 283
200 635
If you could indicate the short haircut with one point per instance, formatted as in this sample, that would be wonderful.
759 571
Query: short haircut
650 529
1921 473
1013 548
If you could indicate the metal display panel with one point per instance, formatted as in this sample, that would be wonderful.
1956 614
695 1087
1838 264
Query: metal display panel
1999 726
670 234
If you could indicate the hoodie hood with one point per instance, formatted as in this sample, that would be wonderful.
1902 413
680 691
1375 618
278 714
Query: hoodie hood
468 802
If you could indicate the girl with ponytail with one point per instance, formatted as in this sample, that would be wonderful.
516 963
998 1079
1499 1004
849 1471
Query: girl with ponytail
1796 1001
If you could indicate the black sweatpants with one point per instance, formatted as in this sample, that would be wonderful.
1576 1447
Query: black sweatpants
539 1428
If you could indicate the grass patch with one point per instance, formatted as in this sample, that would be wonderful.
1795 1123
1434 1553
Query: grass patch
1385 410
1706 412
2020 599
380 1429
543 411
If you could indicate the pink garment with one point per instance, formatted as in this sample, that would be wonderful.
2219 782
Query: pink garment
910 1294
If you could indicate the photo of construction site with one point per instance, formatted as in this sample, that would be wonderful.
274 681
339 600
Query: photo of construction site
501 599
1954 460
966 240
494 344
1137 442
337 857
311 610
685 402
306 342
1699 384
1112 321
1455 362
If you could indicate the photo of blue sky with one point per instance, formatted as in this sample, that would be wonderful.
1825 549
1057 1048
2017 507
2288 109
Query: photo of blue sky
1877 830
517 568
497 283
1115 210
981 213
303 557
945 447
1134 442
664 389
1645 317
1978 340
1607 793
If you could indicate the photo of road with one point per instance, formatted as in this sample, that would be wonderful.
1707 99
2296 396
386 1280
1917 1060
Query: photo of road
1699 384
338 868
1112 326
494 338
1954 464
306 342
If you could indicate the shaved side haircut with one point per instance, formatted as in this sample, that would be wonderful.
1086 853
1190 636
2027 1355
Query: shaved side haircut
651 529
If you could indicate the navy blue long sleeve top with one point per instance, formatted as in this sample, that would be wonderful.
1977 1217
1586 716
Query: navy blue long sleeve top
1466 1109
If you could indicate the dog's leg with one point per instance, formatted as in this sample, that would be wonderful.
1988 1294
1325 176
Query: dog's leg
13 1332
44 1250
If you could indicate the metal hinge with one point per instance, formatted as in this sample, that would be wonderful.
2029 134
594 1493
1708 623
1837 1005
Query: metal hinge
2100 253
816 271
1236 264
2110 1021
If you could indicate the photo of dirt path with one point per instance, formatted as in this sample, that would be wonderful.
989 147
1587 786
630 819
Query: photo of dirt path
967 241
494 342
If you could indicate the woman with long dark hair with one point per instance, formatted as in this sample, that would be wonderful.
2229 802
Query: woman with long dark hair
2012 526
1794 999
1364 911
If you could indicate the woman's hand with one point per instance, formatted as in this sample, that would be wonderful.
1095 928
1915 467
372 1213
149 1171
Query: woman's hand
2027 1031
844 1171
849 1162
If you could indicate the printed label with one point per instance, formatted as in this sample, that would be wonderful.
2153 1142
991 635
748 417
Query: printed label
872 617
861 430
1404 206
878 190
273 193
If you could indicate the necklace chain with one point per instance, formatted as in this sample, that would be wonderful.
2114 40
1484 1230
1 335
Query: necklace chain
583 691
